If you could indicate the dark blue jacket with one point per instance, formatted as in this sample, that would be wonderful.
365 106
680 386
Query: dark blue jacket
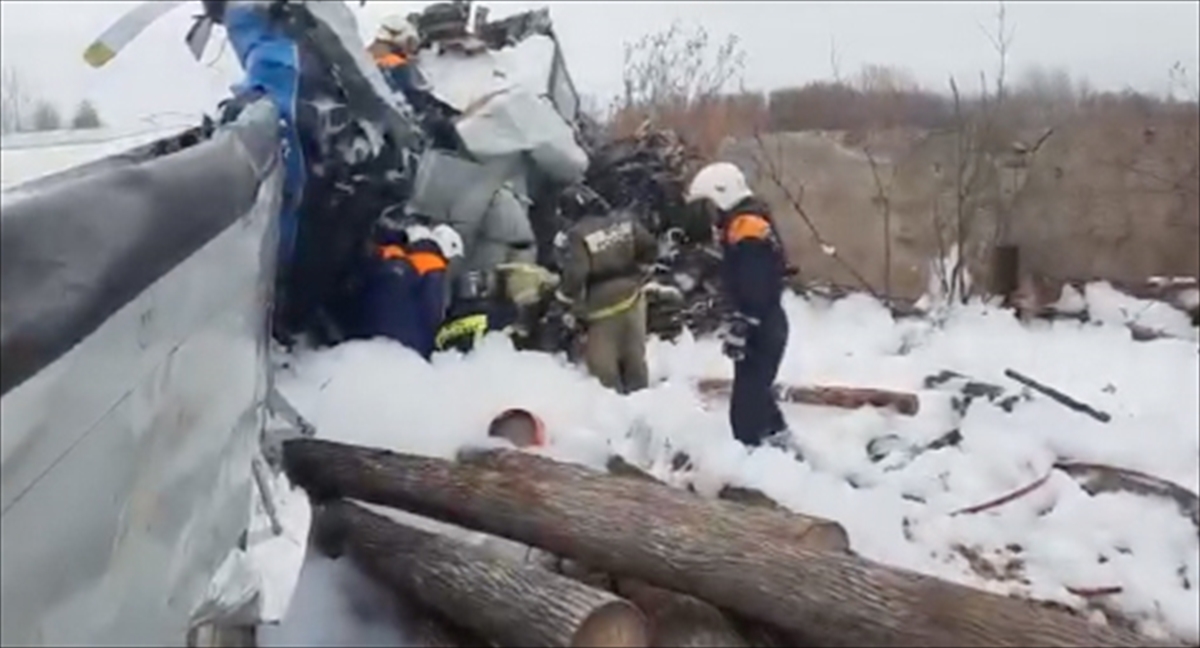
753 264
404 295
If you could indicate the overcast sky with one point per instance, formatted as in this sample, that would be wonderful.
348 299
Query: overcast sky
1114 44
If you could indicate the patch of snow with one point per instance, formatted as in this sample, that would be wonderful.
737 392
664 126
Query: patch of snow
1189 298
336 605
1071 300
20 164
1053 541
1111 306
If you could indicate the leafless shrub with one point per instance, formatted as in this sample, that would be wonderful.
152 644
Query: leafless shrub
677 79
769 166
988 174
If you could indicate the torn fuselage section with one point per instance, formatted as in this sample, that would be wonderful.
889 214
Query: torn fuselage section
134 374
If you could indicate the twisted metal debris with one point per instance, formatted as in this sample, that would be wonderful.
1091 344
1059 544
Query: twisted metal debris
646 173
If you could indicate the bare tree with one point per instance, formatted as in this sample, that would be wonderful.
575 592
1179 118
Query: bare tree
86 116
14 101
676 78
888 87
770 167
984 147
1045 95
45 117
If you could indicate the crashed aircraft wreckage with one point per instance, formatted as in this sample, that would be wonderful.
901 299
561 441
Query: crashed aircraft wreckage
493 144
159 304
180 276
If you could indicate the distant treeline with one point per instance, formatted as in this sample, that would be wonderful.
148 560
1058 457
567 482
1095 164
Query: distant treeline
881 97
21 110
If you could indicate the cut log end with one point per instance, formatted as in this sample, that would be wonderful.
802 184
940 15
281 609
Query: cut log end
617 624
829 536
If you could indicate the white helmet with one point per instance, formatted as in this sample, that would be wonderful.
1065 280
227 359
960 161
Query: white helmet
416 233
448 240
397 30
720 182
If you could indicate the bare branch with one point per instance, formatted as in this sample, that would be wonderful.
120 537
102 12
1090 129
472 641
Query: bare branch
835 61
769 168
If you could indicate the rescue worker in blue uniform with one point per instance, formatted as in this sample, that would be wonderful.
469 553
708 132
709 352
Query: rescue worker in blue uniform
753 272
404 285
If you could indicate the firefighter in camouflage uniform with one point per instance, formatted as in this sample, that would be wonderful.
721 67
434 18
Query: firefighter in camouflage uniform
603 260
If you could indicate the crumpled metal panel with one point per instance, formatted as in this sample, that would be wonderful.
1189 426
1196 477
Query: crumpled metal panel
126 451
334 33
518 121
451 189
484 202
460 79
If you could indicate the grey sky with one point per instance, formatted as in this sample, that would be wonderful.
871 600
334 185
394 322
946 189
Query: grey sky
1114 44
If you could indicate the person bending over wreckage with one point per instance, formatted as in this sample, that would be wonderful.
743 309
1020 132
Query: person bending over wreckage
508 300
404 288
348 140
753 270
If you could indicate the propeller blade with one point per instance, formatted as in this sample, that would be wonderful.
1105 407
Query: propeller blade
125 29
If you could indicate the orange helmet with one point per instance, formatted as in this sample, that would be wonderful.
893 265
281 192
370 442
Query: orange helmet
520 426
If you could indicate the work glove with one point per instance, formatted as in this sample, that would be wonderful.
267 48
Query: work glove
527 282
734 334
560 311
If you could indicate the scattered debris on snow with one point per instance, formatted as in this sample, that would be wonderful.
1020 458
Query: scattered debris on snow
1028 499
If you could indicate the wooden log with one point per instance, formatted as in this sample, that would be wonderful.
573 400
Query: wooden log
674 619
681 620
422 625
510 603
430 629
844 397
729 555
678 619
812 532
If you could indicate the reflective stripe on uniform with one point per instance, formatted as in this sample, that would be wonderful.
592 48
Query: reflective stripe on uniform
615 309
747 226
471 325
422 262
389 252
426 262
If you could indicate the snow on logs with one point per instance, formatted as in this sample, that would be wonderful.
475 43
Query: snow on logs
738 558
511 603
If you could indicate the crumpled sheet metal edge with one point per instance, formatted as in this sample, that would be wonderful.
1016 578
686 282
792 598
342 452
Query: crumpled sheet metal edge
134 517
75 251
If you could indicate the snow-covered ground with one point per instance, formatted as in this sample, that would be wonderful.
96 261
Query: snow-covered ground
39 154
1047 543
1055 540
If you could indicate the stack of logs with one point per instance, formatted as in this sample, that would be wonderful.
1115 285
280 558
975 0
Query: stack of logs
635 562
